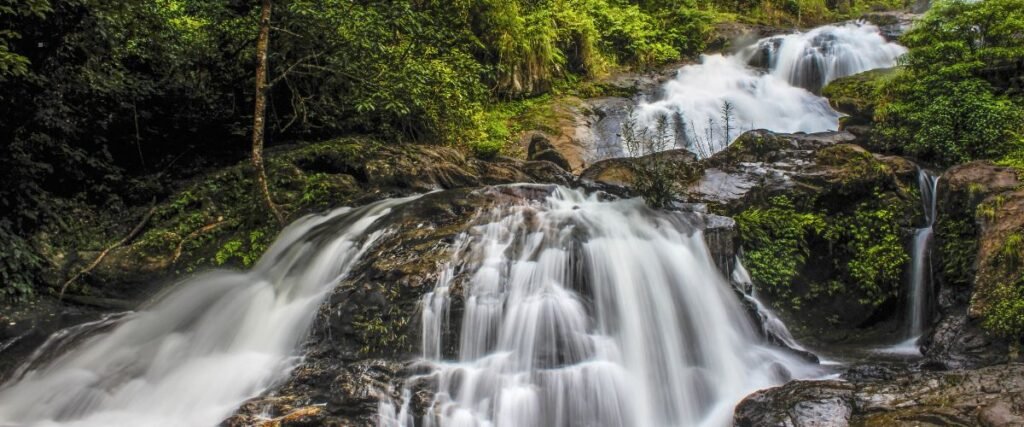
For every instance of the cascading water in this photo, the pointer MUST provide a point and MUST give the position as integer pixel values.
(919, 295)
(771, 325)
(813, 59)
(578, 311)
(780, 100)
(921, 265)
(192, 357)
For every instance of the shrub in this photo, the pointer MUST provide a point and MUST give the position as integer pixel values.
(949, 101)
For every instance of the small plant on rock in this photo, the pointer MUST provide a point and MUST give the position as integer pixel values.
(653, 172)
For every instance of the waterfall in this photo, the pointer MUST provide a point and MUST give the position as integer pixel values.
(581, 311)
(780, 98)
(199, 351)
(813, 59)
(771, 325)
(920, 264)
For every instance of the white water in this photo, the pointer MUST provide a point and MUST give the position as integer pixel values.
(198, 352)
(921, 266)
(776, 99)
(586, 312)
(919, 295)
(771, 324)
(813, 59)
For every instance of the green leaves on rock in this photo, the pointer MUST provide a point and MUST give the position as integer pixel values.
(952, 100)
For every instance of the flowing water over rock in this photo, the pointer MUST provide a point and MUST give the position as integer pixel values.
(769, 85)
(578, 311)
(813, 59)
(771, 325)
(193, 356)
(920, 293)
(921, 263)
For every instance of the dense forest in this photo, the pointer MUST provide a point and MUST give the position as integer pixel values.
(422, 158)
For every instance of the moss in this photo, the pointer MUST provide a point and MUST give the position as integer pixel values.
(1005, 316)
(858, 171)
(857, 95)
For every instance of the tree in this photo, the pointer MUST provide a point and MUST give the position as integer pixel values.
(653, 171)
(259, 115)
(728, 112)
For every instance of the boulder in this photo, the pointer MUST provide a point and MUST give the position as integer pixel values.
(825, 176)
(991, 396)
(980, 208)
(798, 404)
(541, 149)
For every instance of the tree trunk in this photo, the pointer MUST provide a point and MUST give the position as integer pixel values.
(260, 113)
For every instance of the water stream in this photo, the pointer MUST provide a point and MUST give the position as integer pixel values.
(771, 84)
(194, 355)
(578, 311)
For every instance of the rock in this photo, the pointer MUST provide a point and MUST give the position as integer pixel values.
(825, 175)
(987, 396)
(856, 95)
(541, 149)
(979, 206)
(538, 143)
(798, 404)
(618, 172)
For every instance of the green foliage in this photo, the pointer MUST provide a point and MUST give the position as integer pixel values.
(877, 256)
(775, 240)
(17, 266)
(11, 62)
(865, 248)
(245, 252)
(1006, 315)
(948, 102)
(958, 246)
(652, 170)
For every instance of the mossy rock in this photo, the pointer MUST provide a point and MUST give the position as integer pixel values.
(980, 303)
(857, 95)
(824, 225)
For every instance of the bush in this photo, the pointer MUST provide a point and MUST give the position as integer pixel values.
(775, 239)
(949, 101)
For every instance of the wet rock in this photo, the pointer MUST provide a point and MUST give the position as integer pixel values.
(720, 234)
(980, 206)
(987, 396)
(370, 320)
(762, 163)
(798, 404)
(825, 175)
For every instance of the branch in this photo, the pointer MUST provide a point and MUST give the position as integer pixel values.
(192, 235)
(289, 69)
(99, 258)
